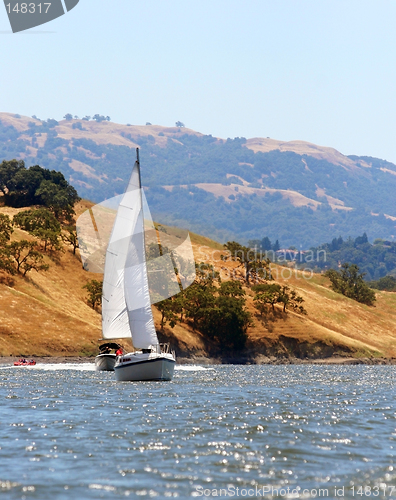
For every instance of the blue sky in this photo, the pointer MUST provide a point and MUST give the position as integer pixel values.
(322, 71)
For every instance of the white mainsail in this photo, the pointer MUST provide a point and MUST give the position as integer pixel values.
(114, 237)
(126, 304)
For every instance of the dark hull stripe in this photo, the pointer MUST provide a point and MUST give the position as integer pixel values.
(134, 363)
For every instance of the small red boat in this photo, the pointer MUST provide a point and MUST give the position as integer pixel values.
(25, 362)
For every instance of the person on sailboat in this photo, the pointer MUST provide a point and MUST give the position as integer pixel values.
(119, 352)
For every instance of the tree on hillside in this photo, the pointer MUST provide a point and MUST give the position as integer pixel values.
(100, 118)
(179, 124)
(6, 229)
(361, 240)
(8, 170)
(49, 240)
(59, 198)
(43, 224)
(387, 283)
(27, 257)
(94, 288)
(290, 299)
(40, 218)
(6, 262)
(253, 262)
(276, 246)
(226, 320)
(191, 303)
(374, 260)
(214, 308)
(37, 186)
(231, 288)
(264, 244)
(168, 309)
(70, 236)
(270, 294)
(68, 116)
(23, 187)
(199, 296)
(50, 123)
(266, 294)
(350, 283)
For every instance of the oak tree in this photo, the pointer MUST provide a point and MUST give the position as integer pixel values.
(94, 288)
(27, 257)
(254, 263)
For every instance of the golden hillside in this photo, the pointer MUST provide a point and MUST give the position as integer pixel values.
(46, 314)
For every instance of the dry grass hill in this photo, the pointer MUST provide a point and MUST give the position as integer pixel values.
(46, 314)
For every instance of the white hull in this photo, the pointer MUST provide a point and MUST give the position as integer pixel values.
(138, 366)
(105, 362)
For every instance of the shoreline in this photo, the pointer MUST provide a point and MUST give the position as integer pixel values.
(272, 360)
(201, 360)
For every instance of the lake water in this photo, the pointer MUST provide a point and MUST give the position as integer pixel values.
(306, 431)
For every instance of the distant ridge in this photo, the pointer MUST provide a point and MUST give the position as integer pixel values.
(300, 193)
(113, 133)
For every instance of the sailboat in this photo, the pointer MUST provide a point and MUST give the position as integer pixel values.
(105, 360)
(114, 236)
(126, 303)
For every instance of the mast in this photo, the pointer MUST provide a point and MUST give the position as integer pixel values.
(136, 287)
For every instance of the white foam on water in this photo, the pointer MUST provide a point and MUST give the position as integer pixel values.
(81, 367)
(192, 368)
(52, 367)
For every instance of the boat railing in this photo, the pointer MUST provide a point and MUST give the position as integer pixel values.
(161, 348)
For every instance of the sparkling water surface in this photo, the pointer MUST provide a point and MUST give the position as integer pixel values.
(68, 432)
